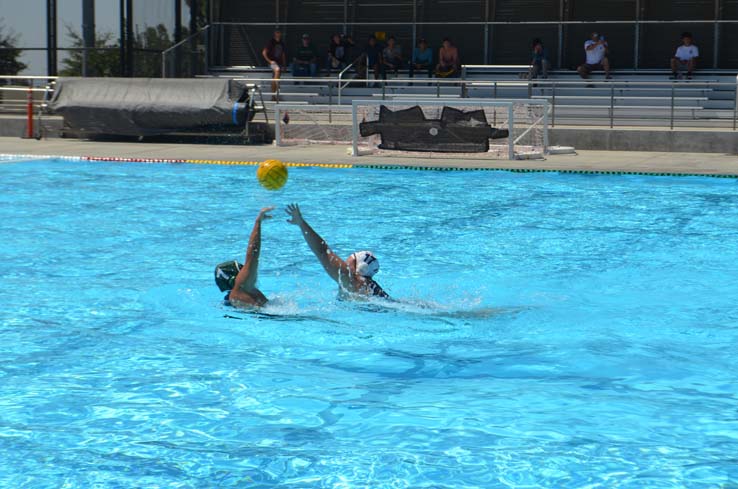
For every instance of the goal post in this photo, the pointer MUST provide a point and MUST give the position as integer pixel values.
(459, 127)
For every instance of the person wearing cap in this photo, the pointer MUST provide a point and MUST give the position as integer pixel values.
(305, 61)
(354, 275)
(422, 59)
(240, 281)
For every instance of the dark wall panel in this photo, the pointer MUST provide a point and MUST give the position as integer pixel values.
(601, 10)
(678, 9)
(526, 10)
(451, 10)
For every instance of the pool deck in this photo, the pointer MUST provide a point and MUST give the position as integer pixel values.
(584, 161)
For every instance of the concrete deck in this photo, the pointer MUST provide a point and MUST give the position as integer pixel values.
(598, 161)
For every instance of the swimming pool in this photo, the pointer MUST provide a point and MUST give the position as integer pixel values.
(556, 330)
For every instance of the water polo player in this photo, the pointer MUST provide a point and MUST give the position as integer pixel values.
(354, 276)
(239, 280)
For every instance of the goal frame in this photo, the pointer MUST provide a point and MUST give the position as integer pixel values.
(509, 104)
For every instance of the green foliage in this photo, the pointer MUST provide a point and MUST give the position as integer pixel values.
(9, 54)
(100, 62)
(148, 46)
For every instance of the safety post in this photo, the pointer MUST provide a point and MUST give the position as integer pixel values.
(29, 114)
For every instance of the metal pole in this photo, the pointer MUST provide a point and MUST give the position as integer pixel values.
(415, 28)
(345, 16)
(122, 39)
(545, 128)
(735, 108)
(354, 130)
(553, 104)
(612, 105)
(88, 33)
(561, 33)
(178, 21)
(277, 126)
(511, 135)
(486, 32)
(637, 48)
(51, 38)
(716, 34)
(129, 38)
(671, 119)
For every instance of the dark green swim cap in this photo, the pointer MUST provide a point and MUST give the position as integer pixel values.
(225, 274)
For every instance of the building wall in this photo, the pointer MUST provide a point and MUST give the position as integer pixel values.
(505, 44)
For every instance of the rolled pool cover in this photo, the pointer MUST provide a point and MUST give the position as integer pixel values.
(148, 106)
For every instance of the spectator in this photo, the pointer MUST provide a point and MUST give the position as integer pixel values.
(422, 59)
(686, 56)
(391, 57)
(595, 50)
(276, 56)
(306, 61)
(339, 51)
(538, 61)
(448, 60)
(373, 58)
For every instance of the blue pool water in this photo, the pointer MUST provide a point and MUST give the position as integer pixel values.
(554, 330)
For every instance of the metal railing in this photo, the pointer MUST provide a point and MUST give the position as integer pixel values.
(618, 103)
(341, 86)
(187, 58)
(26, 95)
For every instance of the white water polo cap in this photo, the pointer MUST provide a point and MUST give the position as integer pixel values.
(366, 263)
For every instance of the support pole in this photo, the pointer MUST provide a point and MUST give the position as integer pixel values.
(29, 115)
(122, 37)
(129, 38)
(88, 33)
(51, 38)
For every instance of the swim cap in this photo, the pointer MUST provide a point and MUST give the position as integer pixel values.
(225, 274)
(366, 263)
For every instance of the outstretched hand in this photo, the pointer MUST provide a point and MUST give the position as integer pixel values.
(264, 213)
(293, 210)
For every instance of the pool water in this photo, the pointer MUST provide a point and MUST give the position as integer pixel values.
(552, 330)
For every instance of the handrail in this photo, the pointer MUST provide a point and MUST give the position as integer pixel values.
(340, 75)
(187, 39)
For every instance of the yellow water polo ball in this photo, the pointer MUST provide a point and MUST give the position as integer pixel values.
(272, 174)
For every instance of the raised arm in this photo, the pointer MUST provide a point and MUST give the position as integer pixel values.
(246, 278)
(334, 265)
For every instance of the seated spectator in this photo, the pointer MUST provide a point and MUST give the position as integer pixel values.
(595, 50)
(305, 61)
(276, 56)
(448, 60)
(339, 52)
(686, 56)
(391, 57)
(373, 57)
(422, 59)
(538, 61)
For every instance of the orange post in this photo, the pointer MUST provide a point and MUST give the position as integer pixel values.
(29, 108)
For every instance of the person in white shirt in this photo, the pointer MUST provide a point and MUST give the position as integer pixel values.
(686, 56)
(595, 50)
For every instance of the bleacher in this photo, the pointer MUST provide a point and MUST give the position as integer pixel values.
(631, 98)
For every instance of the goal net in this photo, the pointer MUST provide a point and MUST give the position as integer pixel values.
(472, 128)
